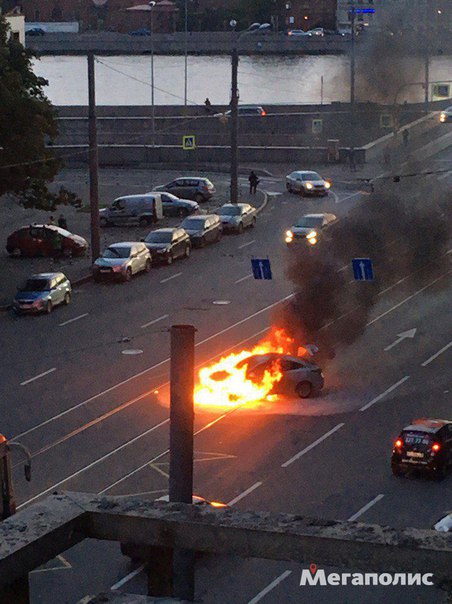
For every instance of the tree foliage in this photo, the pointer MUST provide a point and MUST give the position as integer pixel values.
(27, 123)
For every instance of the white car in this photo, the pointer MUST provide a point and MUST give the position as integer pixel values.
(306, 182)
(444, 525)
(309, 228)
(446, 115)
(122, 260)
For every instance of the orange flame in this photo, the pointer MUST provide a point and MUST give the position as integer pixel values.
(223, 384)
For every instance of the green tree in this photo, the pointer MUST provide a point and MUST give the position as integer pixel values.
(27, 123)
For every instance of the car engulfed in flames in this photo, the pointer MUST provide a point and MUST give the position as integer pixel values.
(226, 383)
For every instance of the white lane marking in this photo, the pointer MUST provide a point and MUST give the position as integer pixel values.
(336, 198)
(270, 587)
(36, 377)
(74, 319)
(445, 175)
(93, 463)
(366, 507)
(128, 577)
(246, 244)
(344, 268)
(434, 356)
(311, 446)
(139, 374)
(406, 299)
(243, 279)
(154, 321)
(383, 394)
(65, 566)
(348, 197)
(170, 278)
(383, 291)
(255, 486)
(159, 470)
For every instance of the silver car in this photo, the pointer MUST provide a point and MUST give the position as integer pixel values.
(122, 260)
(237, 216)
(309, 228)
(306, 182)
(41, 292)
(300, 377)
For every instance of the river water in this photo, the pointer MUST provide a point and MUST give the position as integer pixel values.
(125, 80)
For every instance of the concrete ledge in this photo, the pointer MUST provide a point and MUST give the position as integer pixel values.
(40, 532)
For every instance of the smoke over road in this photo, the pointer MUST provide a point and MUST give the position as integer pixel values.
(404, 237)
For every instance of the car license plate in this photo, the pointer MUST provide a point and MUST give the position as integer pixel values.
(105, 270)
(414, 454)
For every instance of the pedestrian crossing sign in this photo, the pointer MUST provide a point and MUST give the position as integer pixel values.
(189, 142)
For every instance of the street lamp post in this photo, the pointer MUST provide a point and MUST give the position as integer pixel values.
(186, 53)
(352, 84)
(234, 125)
(151, 5)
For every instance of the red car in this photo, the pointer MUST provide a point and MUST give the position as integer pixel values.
(45, 240)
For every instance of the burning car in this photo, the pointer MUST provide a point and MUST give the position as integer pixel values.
(269, 368)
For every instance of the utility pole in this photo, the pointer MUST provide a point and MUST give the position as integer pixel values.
(93, 160)
(151, 6)
(186, 54)
(427, 57)
(352, 84)
(234, 126)
(181, 446)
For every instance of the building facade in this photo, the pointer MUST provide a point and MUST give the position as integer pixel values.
(102, 14)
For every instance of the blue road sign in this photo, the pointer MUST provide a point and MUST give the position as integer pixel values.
(363, 269)
(261, 268)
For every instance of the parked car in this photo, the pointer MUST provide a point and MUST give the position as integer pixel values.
(307, 183)
(175, 206)
(446, 115)
(140, 32)
(122, 260)
(426, 445)
(299, 376)
(237, 216)
(189, 187)
(246, 111)
(165, 245)
(317, 31)
(45, 240)
(141, 209)
(297, 33)
(309, 228)
(41, 292)
(253, 26)
(203, 229)
(35, 31)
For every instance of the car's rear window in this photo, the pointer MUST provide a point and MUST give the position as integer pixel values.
(193, 223)
(417, 438)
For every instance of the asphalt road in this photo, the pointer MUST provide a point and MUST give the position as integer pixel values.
(96, 419)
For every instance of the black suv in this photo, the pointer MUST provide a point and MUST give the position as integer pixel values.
(424, 445)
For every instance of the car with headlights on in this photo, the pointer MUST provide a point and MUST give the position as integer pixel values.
(203, 229)
(45, 240)
(168, 244)
(299, 376)
(446, 115)
(237, 216)
(307, 182)
(425, 445)
(175, 206)
(122, 260)
(189, 187)
(42, 292)
(309, 228)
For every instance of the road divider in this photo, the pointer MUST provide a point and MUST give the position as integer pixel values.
(383, 394)
(37, 377)
(311, 446)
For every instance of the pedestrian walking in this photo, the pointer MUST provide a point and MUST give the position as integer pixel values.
(208, 106)
(51, 220)
(405, 136)
(62, 222)
(254, 181)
